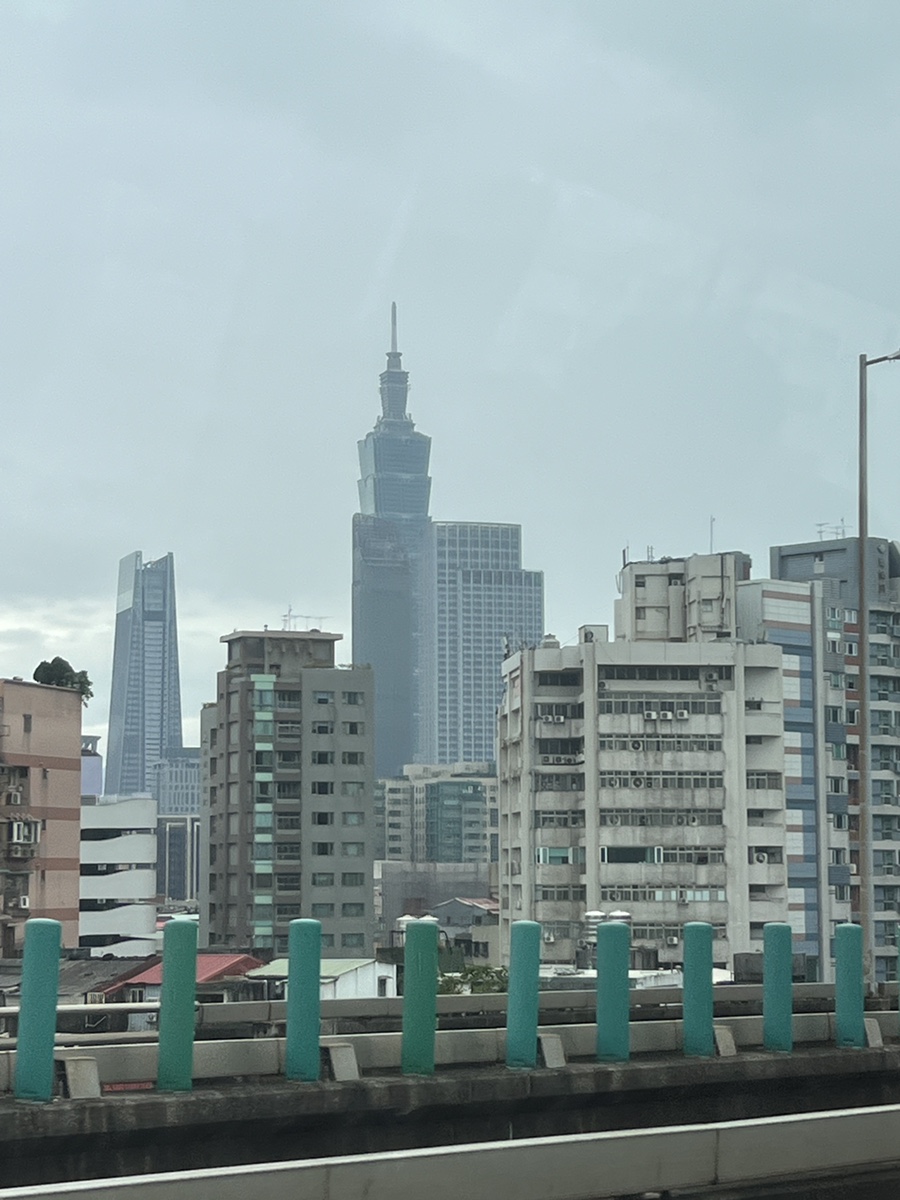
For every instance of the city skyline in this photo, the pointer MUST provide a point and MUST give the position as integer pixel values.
(195, 250)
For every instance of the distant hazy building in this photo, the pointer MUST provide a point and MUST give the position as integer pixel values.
(175, 783)
(433, 603)
(438, 813)
(178, 859)
(287, 814)
(482, 603)
(40, 796)
(390, 534)
(118, 876)
(145, 699)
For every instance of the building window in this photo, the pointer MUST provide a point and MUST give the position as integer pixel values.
(287, 850)
(353, 910)
(323, 849)
(322, 910)
(327, 941)
(352, 818)
(353, 697)
(640, 614)
(353, 849)
(349, 940)
(353, 879)
(352, 788)
(26, 722)
(352, 758)
(322, 879)
(323, 697)
(354, 727)
(287, 821)
(322, 787)
(323, 726)
(287, 883)
(321, 758)
(323, 818)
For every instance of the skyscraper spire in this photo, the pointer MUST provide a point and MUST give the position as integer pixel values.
(394, 380)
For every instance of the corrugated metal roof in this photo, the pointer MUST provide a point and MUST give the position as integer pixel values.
(210, 967)
(330, 968)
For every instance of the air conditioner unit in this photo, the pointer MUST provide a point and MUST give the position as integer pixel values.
(14, 796)
(650, 715)
(549, 937)
(682, 898)
(682, 714)
(671, 941)
(637, 782)
(854, 869)
(601, 686)
(614, 783)
(711, 687)
(760, 858)
(710, 676)
(613, 819)
(693, 820)
(547, 720)
(570, 758)
(518, 904)
(681, 820)
(559, 720)
(637, 744)
(23, 902)
(545, 758)
(666, 716)
(558, 759)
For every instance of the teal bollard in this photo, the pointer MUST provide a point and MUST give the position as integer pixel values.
(699, 1039)
(522, 1003)
(849, 987)
(778, 987)
(37, 1010)
(176, 1007)
(613, 999)
(302, 1056)
(420, 972)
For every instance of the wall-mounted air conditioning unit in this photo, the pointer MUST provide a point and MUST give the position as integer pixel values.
(854, 869)
(559, 720)
(650, 715)
(682, 714)
(666, 716)
(24, 902)
(671, 941)
(760, 857)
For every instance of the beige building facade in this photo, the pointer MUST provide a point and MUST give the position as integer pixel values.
(40, 808)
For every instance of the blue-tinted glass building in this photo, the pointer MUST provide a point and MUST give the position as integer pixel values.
(390, 534)
(145, 699)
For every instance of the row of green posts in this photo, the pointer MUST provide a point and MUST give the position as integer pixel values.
(34, 1078)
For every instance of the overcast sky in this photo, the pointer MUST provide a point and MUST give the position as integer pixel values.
(636, 248)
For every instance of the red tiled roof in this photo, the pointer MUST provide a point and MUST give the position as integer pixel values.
(210, 967)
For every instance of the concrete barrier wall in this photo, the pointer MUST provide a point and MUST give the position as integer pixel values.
(381, 1052)
(585, 1167)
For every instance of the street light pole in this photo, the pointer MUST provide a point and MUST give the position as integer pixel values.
(866, 888)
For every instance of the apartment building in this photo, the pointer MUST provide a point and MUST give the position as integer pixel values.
(40, 791)
(438, 813)
(832, 566)
(625, 785)
(287, 816)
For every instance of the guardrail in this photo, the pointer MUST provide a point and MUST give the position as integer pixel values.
(728, 1155)
(613, 1031)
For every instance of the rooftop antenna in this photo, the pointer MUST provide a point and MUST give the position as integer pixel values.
(393, 327)
(712, 525)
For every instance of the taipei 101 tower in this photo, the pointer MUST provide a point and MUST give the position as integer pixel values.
(390, 541)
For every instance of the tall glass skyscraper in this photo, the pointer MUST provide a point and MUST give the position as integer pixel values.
(433, 603)
(145, 700)
(390, 534)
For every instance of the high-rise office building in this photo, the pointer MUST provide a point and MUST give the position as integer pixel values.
(438, 813)
(287, 817)
(145, 699)
(389, 539)
(482, 603)
(433, 603)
